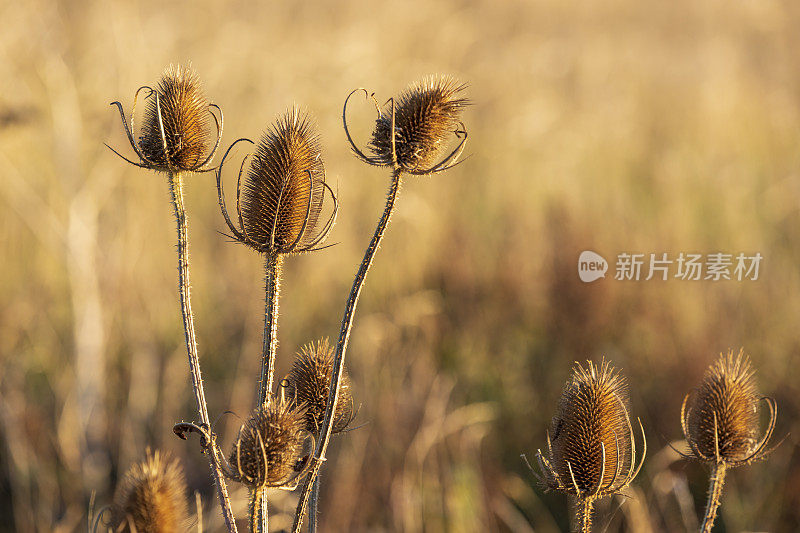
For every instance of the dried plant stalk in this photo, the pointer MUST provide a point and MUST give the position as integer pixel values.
(175, 140)
(279, 212)
(720, 423)
(430, 110)
(176, 191)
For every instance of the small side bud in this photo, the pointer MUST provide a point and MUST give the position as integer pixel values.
(308, 384)
(269, 447)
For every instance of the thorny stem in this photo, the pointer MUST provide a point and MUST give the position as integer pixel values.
(259, 512)
(176, 190)
(584, 514)
(273, 269)
(313, 505)
(715, 484)
(258, 519)
(341, 347)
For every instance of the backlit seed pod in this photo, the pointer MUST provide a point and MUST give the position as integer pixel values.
(720, 419)
(281, 201)
(152, 497)
(182, 108)
(425, 116)
(720, 423)
(308, 384)
(176, 133)
(283, 191)
(591, 446)
(591, 437)
(269, 446)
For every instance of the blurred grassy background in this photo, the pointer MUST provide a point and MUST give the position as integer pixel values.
(626, 125)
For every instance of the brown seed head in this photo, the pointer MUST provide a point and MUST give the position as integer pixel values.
(184, 112)
(309, 382)
(426, 114)
(722, 414)
(591, 433)
(284, 188)
(152, 496)
(269, 446)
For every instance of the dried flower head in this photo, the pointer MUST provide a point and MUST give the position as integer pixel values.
(284, 191)
(410, 130)
(152, 496)
(592, 452)
(308, 384)
(720, 420)
(177, 131)
(267, 452)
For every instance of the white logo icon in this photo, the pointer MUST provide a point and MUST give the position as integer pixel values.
(591, 266)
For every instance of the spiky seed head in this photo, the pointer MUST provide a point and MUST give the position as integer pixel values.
(727, 394)
(152, 496)
(308, 384)
(592, 415)
(269, 446)
(426, 114)
(184, 111)
(284, 188)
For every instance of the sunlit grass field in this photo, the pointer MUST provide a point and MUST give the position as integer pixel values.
(621, 126)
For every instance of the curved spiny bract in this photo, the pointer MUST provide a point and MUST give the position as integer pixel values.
(591, 448)
(269, 447)
(308, 384)
(151, 497)
(280, 204)
(720, 418)
(176, 134)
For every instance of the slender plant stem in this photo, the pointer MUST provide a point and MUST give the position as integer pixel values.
(341, 348)
(584, 514)
(273, 269)
(715, 484)
(176, 190)
(258, 519)
(313, 505)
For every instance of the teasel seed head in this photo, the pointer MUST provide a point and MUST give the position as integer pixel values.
(720, 418)
(176, 134)
(308, 384)
(411, 129)
(591, 446)
(281, 203)
(152, 496)
(268, 450)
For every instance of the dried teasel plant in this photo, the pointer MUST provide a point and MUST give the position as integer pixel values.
(591, 449)
(176, 133)
(425, 116)
(151, 497)
(308, 384)
(280, 210)
(409, 135)
(721, 424)
(175, 139)
(269, 453)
